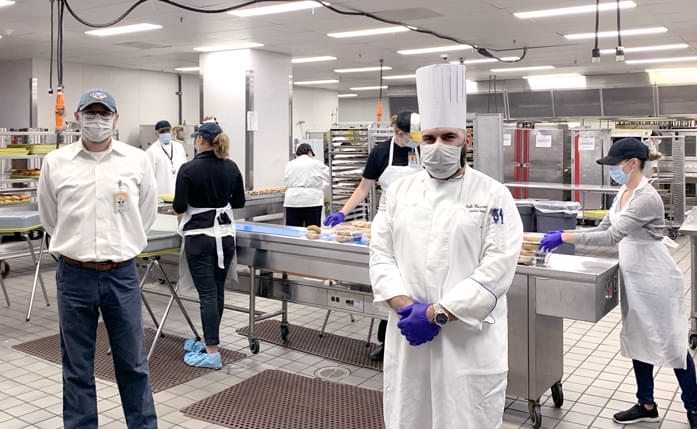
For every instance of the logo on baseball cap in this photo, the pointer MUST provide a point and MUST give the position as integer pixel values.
(97, 96)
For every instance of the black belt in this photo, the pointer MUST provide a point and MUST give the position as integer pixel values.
(96, 266)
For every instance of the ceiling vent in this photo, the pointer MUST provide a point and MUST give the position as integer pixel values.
(143, 45)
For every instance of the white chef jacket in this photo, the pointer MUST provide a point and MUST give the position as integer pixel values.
(456, 243)
(77, 191)
(305, 180)
(166, 170)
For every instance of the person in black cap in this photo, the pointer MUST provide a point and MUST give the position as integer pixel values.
(654, 325)
(305, 179)
(166, 156)
(208, 188)
(97, 200)
(389, 161)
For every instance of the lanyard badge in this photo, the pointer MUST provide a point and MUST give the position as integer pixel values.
(121, 197)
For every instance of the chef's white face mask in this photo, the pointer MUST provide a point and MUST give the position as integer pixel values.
(441, 160)
(96, 130)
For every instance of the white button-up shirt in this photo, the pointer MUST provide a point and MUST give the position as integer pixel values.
(77, 202)
(165, 161)
(306, 180)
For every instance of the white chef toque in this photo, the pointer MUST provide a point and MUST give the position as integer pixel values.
(442, 94)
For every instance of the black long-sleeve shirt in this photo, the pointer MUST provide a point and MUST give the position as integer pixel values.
(207, 181)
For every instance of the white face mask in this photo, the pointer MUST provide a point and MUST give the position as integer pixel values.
(97, 130)
(441, 160)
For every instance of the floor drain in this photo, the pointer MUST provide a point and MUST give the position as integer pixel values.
(332, 373)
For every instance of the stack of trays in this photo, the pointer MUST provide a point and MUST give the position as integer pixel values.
(530, 253)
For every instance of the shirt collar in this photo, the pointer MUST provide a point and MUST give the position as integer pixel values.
(115, 147)
(206, 154)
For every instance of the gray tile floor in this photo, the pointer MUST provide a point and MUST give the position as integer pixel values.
(598, 381)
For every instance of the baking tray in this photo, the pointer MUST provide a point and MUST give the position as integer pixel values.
(19, 217)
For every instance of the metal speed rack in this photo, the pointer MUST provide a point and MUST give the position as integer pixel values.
(348, 154)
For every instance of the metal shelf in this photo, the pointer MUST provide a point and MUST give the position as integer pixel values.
(2, 157)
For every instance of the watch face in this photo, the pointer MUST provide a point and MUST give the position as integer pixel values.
(441, 319)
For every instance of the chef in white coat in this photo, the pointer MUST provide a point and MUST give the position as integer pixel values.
(166, 157)
(306, 179)
(654, 318)
(443, 256)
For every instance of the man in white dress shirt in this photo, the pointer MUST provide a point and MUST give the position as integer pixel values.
(97, 200)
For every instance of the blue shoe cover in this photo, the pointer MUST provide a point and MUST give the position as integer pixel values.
(204, 360)
(194, 346)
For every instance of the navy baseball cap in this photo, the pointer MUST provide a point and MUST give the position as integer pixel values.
(627, 148)
(97, 96)
(162, 125)
(408, 122)
(209, 131)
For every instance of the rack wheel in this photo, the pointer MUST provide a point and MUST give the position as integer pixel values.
(693, 341)
(558, 395)
(284, 333)
(535, 414)
(673, 233)
(254, 345)
(4, 269)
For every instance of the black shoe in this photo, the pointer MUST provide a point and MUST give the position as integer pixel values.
(692, 418)
(636, 414)
(377, 354)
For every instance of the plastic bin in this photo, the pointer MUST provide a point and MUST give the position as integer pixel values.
(557, 215)
(526, 208)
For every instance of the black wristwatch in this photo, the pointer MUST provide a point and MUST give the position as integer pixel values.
(440, 316)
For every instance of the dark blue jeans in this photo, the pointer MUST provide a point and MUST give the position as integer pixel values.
(82, 295)
(686, 379)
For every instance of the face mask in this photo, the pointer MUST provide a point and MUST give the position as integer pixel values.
(97, 130)
(618, 175)
(166, 138)
(441, 160)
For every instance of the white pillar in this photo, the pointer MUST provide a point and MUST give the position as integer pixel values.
(224, 95)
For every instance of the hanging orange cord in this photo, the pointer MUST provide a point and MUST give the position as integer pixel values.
(379, 108)
(60, 111)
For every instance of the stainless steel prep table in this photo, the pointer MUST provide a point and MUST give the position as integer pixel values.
(255, 206)
(689, 228)
(335, 276)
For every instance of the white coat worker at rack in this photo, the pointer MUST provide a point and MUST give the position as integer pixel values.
(166, 156)
(387, 162)
(443, 254)
(306, 179)
(654, 320)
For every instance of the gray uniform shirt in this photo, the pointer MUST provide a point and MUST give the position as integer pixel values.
(642, 219)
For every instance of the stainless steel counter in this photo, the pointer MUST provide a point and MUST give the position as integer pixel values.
(563, 187)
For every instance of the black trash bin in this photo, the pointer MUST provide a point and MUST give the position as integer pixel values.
(557, 215)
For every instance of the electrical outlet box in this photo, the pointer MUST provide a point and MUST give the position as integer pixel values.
(345, 301)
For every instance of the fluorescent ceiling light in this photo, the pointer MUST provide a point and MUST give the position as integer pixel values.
(368, 88)
(672, 75)
(113, 31)
(188, 69)
(400, 76)
(556, 81)
(484, 60)
(588, 8)
(4, 3)
(312, 59)
(606, 34)
(229, 47)
(362, 69)
(519, 69)
(371, 32)
(647, 48)
(278, 8)
(662, 60)
(436, 50)
(316, 82)
(347, 95)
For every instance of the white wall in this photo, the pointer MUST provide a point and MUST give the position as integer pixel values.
(361, 109)
(316, 107)
(142, 97)
(15, 94)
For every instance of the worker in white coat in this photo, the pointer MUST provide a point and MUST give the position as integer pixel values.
(443, 256)
(166, 157)
(306, 179)
(654, 320)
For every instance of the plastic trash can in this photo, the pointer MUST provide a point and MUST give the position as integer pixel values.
(557, 215)
(526, 208)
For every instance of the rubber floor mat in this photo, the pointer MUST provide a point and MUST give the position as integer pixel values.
(167, 367)
(281, 400)
(330, 346)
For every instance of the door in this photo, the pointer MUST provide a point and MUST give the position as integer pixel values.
(545, 161)
(587, 147)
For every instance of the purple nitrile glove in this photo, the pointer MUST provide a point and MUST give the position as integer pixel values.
(334, 219)
(415, 325)
(551, 241)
